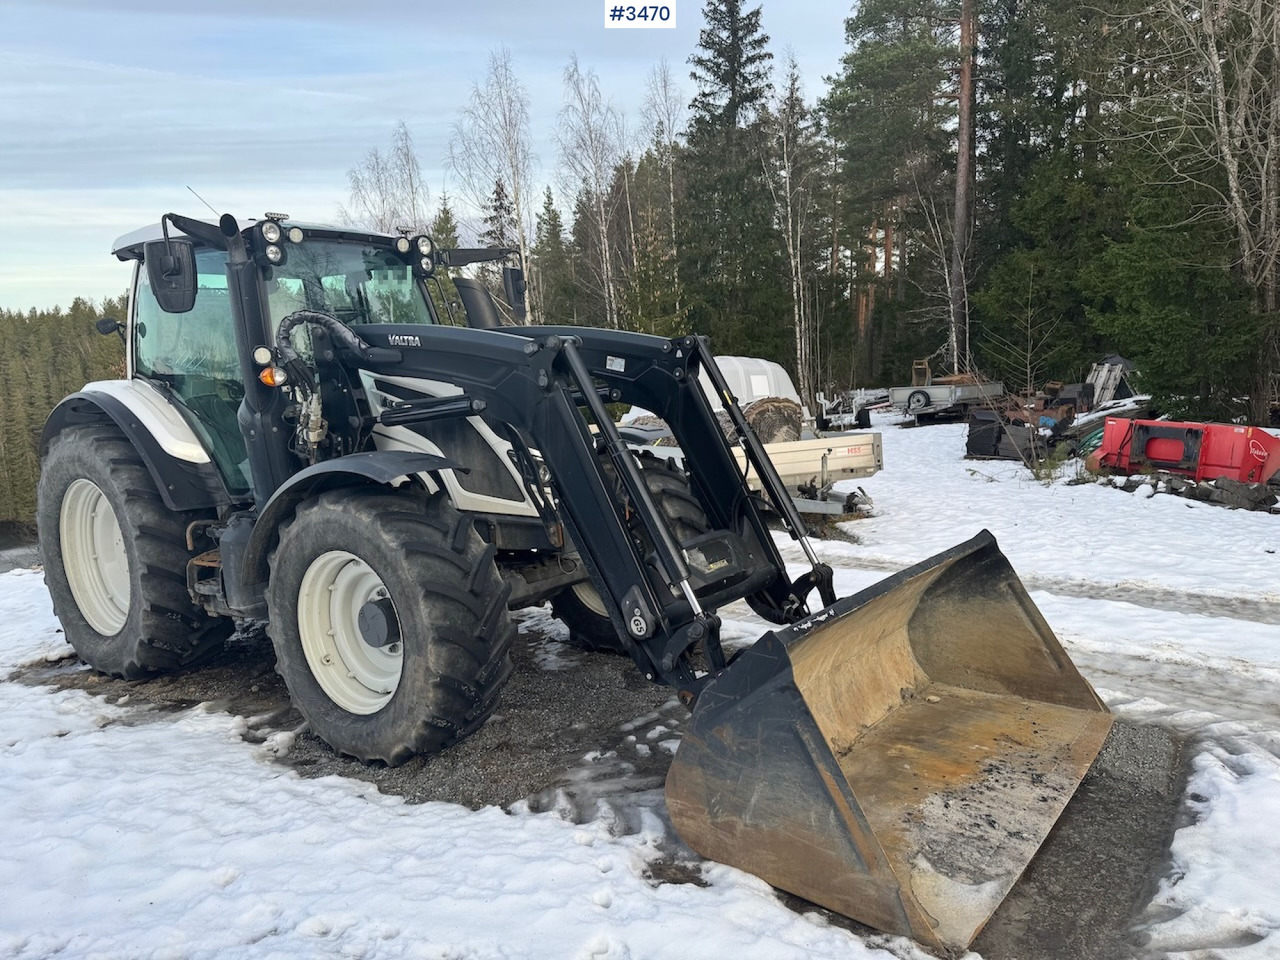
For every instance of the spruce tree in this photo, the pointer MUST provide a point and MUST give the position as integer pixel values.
(499, 231)
(499, 219)
(733, 277)
(551, 257)
(731, 68)
(444, 231)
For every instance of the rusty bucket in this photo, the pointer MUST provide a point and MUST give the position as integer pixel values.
(900, 756)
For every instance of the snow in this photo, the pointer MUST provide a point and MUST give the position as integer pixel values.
(176, 839)
(928, 497)
(127, 834)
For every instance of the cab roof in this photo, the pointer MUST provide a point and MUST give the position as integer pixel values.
(129, 246)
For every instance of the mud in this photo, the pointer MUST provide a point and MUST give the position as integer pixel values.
(585, 735)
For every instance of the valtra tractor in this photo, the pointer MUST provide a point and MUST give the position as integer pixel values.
(304, 439)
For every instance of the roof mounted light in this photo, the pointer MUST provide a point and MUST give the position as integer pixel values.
(276, 216)
(295, 234)
(403, 245)
(271, 231)
(425, 248)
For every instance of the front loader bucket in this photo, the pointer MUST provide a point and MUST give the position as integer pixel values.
(898, 757)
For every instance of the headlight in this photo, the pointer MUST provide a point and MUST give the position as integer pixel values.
(403, 245)
(271, 232)
(274, 253)
(295, 234)
(426, 265)
(425, 246)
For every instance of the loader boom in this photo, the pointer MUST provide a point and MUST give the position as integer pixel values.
(540, 381)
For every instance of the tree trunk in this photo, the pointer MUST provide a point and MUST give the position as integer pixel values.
(957, 288)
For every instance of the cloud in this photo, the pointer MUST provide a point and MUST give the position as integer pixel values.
(112, 109)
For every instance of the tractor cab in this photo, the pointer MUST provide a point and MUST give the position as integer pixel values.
(360, 278)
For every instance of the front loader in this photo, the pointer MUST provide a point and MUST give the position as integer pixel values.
(305, 439)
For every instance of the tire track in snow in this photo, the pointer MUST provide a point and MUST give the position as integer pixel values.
(1168, 689)
(1138, 593)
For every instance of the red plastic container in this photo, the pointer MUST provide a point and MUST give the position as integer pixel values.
(1201, 451)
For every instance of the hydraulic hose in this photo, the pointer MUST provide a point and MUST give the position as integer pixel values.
(342, 335)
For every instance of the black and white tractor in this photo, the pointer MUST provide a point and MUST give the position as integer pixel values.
(303, 438)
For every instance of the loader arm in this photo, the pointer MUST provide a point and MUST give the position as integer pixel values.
(550, 384)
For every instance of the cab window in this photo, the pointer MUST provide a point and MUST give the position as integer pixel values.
(194, 355)
(355, 282)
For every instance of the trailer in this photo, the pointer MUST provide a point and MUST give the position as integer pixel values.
(944, 398)
(808, 467)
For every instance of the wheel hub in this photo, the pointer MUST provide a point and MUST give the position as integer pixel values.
(94, 557)
(378, 624)
(350, 632)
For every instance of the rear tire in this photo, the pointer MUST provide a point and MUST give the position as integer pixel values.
(115, 559)
(580, 607)
(418, 568)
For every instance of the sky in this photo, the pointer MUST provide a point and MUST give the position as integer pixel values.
(111, 110)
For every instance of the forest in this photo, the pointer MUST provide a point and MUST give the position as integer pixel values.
(1008, 187)
(1012, 188)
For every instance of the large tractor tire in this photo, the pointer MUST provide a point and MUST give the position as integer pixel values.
(115, 559)
(389, 620)
(580, 607)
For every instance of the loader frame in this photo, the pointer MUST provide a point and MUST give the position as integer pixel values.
(540, 381)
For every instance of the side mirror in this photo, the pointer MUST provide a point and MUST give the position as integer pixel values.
(514, 286)
(109, 325)
(171, 271)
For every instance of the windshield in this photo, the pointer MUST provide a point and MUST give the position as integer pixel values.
(357, 283)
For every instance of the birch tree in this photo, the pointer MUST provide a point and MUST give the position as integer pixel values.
(588, 134)
(791, 161)
(387, 191)
(1206, 86)
(663, 114)
(491, 144)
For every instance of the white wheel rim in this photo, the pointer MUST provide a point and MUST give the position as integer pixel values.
(94, 557)
(359, 678)
(590, 598)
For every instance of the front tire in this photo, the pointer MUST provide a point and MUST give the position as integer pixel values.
(115, 559)
(389, 620)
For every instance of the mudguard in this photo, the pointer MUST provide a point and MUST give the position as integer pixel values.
(382, 466)
(178, 463)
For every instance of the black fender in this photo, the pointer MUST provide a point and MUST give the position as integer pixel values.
(183, 485)
(380, 466)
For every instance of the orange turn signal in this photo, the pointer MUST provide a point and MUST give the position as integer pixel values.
(273, 376)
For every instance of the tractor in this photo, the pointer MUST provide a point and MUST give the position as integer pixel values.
(305, 437)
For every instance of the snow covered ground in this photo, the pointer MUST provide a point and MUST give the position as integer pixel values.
(127, 837)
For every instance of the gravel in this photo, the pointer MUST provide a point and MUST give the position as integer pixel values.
(586, 735)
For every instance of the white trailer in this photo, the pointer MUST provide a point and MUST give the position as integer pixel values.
(809, 466)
